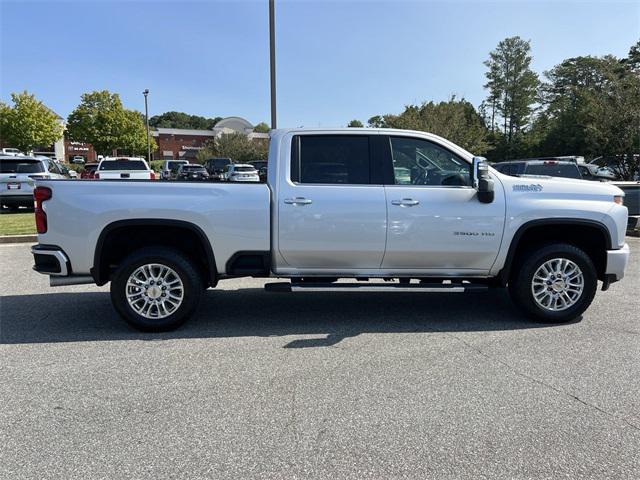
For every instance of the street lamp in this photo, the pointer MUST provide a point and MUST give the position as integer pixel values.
(146, 116)
(272, 60)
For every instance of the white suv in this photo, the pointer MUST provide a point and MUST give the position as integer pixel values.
(240, 172)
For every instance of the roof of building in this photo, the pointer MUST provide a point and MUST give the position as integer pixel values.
(183, 131)
(234, 123)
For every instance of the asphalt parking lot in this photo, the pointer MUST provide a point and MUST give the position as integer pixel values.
(267, 385)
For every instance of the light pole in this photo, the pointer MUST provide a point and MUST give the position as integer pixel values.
(146, 116)
(272, 60)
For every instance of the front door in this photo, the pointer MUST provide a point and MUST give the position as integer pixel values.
(435, 219)
(331, 210)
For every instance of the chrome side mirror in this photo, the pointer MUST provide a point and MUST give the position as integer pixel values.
(482, 181)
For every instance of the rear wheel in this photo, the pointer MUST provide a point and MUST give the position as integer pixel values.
(156, 289)
(555, 283)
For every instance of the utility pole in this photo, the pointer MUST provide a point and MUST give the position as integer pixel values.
(146, 116)
(272, 61)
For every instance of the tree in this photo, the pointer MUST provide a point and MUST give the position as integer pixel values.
(236, 146)
(183, 120)
(355, 124)
(377, 121)
(455, 120)
(102, 121)
(261, 128)
(512, 88)
(28, 123)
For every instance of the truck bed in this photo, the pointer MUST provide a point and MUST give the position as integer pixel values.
(78, 212)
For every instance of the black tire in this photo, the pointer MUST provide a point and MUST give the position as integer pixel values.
(183, 268)
(520, 284)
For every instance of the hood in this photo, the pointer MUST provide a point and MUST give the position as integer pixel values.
(558, 187)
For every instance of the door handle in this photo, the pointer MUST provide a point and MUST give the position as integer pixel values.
(297, 201)
(405, 202)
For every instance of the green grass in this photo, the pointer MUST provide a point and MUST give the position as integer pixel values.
(17, 223)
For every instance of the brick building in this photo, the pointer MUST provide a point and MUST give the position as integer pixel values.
(82, 149)
(177, 143)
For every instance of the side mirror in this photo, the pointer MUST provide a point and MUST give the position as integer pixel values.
(482, 181)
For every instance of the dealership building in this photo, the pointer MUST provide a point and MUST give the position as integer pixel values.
(179, 143)
(173, 143)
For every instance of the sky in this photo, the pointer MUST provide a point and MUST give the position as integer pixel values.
(336, 60)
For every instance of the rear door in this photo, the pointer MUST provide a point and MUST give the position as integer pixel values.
(331, 205)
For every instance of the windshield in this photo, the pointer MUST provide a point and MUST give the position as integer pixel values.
(244, 169)
(123, 165)
(193, 168)
(172, 165)
(554, 170)
(21, 166)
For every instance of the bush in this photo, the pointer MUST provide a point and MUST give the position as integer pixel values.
(156, 165)
(76, 167)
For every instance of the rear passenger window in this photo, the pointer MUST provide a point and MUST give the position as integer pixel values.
(330, 159)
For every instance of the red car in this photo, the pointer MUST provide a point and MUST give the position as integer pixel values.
(89, 171)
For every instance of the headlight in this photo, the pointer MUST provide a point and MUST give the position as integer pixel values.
(619, 199)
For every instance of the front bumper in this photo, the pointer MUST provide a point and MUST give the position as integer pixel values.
(617, 261)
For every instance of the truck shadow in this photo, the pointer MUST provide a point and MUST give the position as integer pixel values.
(76, 317)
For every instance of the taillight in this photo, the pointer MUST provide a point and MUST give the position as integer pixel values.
(96, 175)
(152, 175)
(41, 194)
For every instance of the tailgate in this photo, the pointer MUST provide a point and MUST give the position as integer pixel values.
(16, 184)
(125, 175)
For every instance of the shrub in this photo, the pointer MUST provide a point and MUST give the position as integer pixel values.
(156, 165)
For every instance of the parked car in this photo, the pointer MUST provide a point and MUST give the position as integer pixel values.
(566, 166)
(124, 168)
(89, 171)
(67, 172)
(261, 167)
(548, 240)
(551, 168)
(192, 171)
(622, 166)
(168, 166)
(632, 202)
(10, 151)
(240, 172)
(216, 166)
(77, 159)
(18, 175)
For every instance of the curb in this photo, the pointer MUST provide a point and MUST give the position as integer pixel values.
(18, 239)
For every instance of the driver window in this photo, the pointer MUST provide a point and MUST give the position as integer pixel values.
(420, 162)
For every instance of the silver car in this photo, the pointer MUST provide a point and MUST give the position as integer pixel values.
(18, 175)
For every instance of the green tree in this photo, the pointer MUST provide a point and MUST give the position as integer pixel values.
(183, 120)
(455, 120)
(236, 146)
(512, 89)
(102, 121)
(377, 121)
(355, 124)
(28, 123)
(261, 128)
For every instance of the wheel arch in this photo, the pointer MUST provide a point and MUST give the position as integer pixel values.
(194, 243)
(590, 235)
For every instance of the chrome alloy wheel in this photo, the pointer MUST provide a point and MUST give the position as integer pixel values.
(154, 291)
(557, 284)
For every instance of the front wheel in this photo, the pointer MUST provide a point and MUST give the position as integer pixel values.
(156, 289)
(554, 284)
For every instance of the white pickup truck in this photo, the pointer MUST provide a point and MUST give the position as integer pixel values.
(124, 168)
(391, 210)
